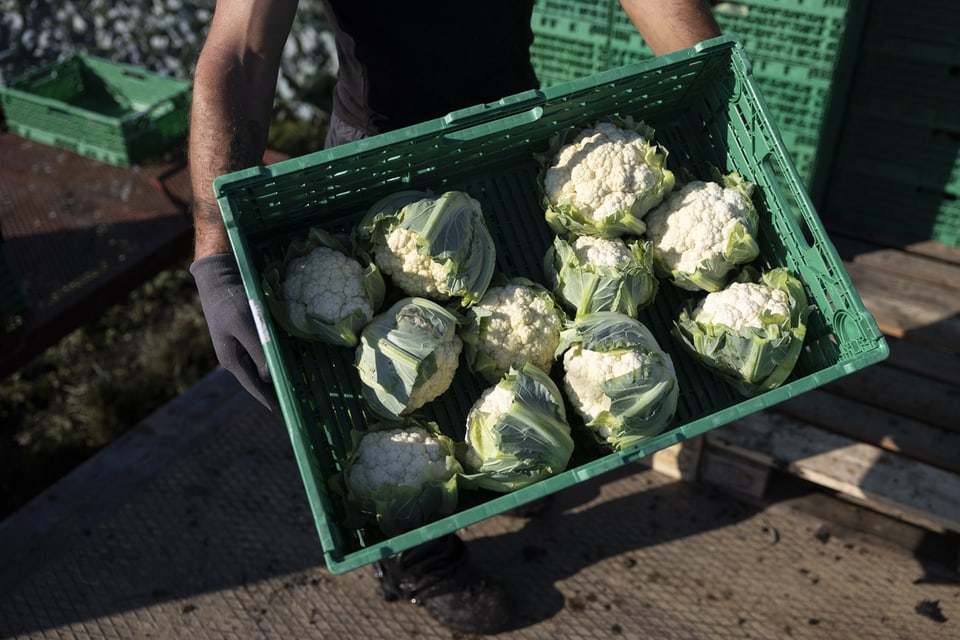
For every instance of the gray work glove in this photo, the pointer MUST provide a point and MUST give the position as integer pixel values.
(231, 325)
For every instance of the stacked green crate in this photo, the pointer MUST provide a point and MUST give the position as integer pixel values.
(897, 166)
(571, 38)
(114, 112)
(802, 52)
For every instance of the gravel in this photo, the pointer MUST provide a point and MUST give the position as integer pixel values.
(162, 36)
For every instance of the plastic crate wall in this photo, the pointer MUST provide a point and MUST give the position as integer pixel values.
(113, 112)
(897, 167)
(802, 52)
(703, 105)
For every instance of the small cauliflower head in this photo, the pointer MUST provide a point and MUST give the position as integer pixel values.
(327, 284)
(322, 292)
(517, 433)
(605, 180)
(703, 232)
(591, 274)
(435, 247)
(749, 333)
(513, 324)
(404, 476)
(408, 356)
(618, 379)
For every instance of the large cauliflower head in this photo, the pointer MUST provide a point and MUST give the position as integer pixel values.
(742, 304)
(404, 456)
(404, 476)
(585, 370)
(605, 180)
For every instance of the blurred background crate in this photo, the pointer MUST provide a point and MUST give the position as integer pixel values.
(113, 112)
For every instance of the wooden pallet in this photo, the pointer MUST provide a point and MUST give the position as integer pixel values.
(886, 437)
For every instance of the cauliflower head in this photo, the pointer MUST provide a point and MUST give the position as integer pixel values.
(588, 274)
(601, 252)
(327, 284)
(446, 359)
(584, 370)
(415, 273)
(405, 476)
(435, 247)
(702, 232)
(742, 304)
(517, 432)
(750, 333)
(322, 292)
(617, 378)
(512, 325)
(408, 356)
(604, 181)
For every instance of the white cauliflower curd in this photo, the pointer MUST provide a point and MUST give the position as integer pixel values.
(512, 325)
(702, 232)
(742, 304)
(325, 283)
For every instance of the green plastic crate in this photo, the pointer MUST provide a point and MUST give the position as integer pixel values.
(113, 112)
(706, 108)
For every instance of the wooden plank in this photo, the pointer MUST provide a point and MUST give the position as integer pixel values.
(924, 360)
(925, 247)
(680, 461)
(915, 439)
(906, 308)
(733, 472)
(886, 481)
(893, 260)
(903, 393)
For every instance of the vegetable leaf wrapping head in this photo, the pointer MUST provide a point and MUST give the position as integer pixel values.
(434, 247)
(754, 333)
(618, 379)
(622, 280)
(517, 433)
(407, 356)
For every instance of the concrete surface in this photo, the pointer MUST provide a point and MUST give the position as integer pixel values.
(195, 525)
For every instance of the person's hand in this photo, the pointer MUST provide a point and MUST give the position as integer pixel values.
(230, 321)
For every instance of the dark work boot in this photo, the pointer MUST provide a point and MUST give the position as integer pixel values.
(439, 575)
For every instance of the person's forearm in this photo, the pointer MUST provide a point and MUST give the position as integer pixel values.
(669, 25)
(233, 93)
(227, 133)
